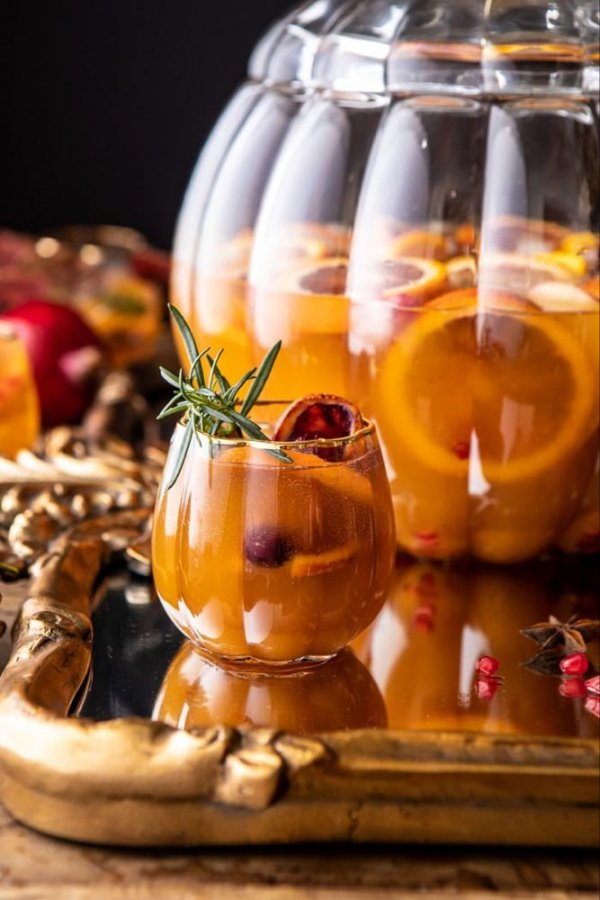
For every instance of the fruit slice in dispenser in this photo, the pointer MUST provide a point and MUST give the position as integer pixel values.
(472, 418)
(308, 311)
(337, 695)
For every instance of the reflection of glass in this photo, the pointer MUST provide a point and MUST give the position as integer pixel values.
(336, 695)
(258, 559)
(424, 646)
(19, 413)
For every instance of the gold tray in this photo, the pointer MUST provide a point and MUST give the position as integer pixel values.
(136, 782)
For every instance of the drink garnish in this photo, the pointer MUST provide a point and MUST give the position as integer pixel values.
(209, 403)
(319, 417)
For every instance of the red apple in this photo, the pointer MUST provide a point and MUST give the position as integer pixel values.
(65, 355)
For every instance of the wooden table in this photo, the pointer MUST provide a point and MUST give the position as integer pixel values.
(35, 867)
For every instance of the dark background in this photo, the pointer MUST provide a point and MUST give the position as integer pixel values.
(106, 104)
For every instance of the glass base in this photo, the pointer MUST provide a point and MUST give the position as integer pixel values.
(251, 667)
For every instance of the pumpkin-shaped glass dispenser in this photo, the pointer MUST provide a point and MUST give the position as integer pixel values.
(406, 194)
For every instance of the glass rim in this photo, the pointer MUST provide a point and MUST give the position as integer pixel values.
(367, 430)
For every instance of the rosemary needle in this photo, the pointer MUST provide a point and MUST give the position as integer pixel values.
(207, 401)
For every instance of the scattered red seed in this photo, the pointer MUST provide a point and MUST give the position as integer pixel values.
(574, 664)
(461, 449)
(572, 687)
(487, 665)
(592, 704)
(593, 685)
(423, 621)
(428, 538)
(485, 688)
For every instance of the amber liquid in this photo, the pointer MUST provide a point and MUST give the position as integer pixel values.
(488, 414)
(19, 411)
(490, 421)
(339, 694)
(255, 559)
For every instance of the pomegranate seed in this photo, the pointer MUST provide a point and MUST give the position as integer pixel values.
(574, 664)
(462, 449)
(428, 538)
(592, 704)
(593, 685)
(572, 687)
(485, 688)
(423, 621)
(487, 665)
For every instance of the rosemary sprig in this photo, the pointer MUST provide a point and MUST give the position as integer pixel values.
(208, 401)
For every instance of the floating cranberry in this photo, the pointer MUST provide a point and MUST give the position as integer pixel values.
(592, 704)
(574, 664)
(268, 548)
(487, 665)
(462, 449)
(592, 685)
(572, 687)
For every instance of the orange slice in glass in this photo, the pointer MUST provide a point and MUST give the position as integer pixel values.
(306, 299)
(422, 243)
(593, 286)
(518, 384)
(410, 280)
(519, 272)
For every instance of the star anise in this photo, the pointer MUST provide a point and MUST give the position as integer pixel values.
(572, 635)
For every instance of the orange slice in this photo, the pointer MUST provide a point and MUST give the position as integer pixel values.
(581, 242)
(452, 376)
(318, 416)
(593, 286)
(516, 234)
(306, 565)
(518, 272)
(422, 243)
(482, 300)
(461, 271)
(574, 265)
(306, 299)
(553, 296)
(410, 278)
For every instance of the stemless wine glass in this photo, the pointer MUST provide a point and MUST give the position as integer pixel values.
(19, 409)
(264, 561)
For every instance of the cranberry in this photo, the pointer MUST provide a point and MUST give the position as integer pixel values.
(462, 449)
(593, 685)
(572, 687)
(574, 664)
(487, 665)
(592, 704)
(267, 547)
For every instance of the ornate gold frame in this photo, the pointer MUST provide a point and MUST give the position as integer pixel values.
(133, 782)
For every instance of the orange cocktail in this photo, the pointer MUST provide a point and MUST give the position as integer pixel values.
(259, 559)
(19, 411)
